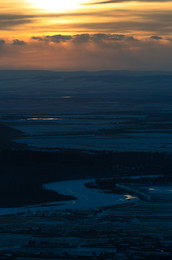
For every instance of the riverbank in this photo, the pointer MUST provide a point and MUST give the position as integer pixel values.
(24, 172)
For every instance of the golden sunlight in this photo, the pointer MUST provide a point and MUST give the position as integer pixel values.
(57, 5)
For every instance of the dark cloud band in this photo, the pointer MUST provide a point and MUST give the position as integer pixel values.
(85, 38)
(122, 1)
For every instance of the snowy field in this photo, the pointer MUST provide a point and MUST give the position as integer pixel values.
(119, 111)
(95, 132)
(139, 228)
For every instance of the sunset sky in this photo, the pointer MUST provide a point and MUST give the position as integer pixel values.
(86, 34)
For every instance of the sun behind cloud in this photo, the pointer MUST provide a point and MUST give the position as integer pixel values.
(57, 5)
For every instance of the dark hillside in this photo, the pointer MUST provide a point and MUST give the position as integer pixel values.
(6, 137)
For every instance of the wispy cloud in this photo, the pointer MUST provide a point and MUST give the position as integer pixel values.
(9, 21)
(138, 17)
(122, 1)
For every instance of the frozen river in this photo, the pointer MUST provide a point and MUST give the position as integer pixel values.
(86, 198)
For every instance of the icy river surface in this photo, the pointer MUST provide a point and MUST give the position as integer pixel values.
(86, 198)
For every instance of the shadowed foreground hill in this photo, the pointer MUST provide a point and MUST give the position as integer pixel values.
(6, 137)
(18, 186)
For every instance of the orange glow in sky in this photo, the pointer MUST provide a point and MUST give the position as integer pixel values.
(28, 17)
(106, 34)
(57, 5)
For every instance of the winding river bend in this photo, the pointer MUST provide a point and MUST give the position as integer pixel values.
(86, 198)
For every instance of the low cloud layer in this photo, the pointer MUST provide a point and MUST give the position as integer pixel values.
(18, 42)
(87, 52)
(2, 42)
(85, 38)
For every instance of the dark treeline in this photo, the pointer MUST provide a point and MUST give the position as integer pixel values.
(73, 164)
(22, 173)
